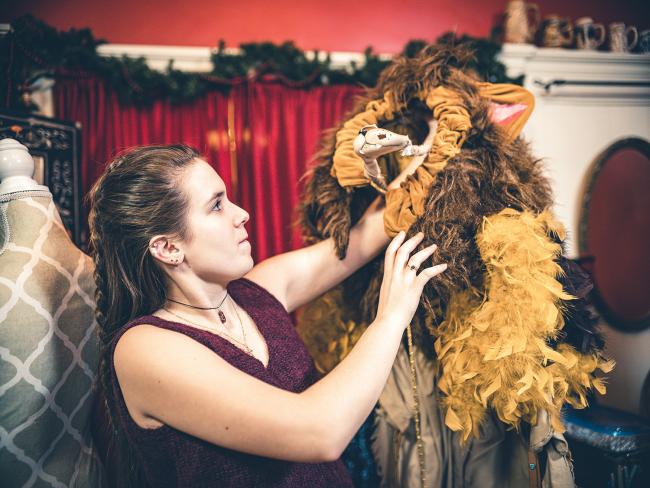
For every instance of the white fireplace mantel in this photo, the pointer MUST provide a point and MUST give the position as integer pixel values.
(614, 77)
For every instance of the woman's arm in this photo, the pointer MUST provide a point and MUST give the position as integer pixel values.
(298, 277)
(201, 394)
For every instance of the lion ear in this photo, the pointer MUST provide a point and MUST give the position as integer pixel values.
(510, 106)
(502, 114)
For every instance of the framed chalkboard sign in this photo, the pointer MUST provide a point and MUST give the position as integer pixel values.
(55, 146)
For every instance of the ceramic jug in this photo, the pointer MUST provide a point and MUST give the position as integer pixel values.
(589, 35)
(521, 22)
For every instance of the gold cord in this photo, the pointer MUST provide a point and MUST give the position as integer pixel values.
(416, 406)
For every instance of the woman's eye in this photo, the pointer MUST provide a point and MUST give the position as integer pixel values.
(217, 206)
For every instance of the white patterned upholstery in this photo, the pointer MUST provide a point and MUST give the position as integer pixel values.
(48, 349)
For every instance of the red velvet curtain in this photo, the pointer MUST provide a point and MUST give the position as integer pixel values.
(285, 126)
(259, 138)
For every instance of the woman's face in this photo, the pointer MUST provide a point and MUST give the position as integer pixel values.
(217, 248)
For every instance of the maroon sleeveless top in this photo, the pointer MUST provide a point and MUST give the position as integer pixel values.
(171, 458)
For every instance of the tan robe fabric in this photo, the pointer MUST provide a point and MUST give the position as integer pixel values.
(498, 458)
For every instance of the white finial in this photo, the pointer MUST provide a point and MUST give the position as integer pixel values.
(16, 168)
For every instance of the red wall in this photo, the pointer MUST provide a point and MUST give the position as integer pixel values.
(336, 25)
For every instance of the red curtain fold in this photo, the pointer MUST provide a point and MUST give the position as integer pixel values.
(259, 138)
(285, 126)
(109, 127)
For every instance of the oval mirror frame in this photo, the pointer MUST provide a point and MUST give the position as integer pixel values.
(608, 313)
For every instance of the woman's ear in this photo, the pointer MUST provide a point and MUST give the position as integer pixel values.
(165, 250)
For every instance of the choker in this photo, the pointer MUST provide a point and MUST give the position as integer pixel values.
(222, 316)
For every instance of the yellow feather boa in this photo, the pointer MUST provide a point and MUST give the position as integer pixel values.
(492, 353)
(495, 353)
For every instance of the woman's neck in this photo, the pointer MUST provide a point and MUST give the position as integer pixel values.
(198, 302)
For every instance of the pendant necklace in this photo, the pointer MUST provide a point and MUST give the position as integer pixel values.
(219, 332)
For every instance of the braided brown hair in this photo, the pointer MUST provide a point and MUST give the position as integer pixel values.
(136, 198)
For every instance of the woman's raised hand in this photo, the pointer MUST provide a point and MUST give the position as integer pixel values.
(403, 283)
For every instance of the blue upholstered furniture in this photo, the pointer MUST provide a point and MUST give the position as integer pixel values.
(611, 448)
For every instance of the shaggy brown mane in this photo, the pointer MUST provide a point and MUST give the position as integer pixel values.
(486, 177)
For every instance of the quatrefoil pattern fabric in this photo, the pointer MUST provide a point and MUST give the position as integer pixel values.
(48, 349)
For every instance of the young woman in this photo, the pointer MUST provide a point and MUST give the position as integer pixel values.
(206, 381)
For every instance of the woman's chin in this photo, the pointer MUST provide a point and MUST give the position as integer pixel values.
(250, 263)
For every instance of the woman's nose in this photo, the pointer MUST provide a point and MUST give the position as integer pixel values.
(242, 216)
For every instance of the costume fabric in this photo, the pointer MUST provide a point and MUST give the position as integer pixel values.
(506, 342)
(171, 458)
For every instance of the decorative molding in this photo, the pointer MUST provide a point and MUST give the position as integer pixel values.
(617, 76)
(595, 96)
(540, 65)
(57, 144)
(197, 59)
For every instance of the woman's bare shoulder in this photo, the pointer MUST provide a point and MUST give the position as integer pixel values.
(153, 364)
(145, 347)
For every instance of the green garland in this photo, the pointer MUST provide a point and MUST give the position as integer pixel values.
(34, 50)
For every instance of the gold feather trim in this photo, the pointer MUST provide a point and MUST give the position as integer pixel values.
(406, 203)
(495, 353)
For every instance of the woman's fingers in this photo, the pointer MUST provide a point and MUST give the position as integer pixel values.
(421, 256)
(429, 273)
(405, 251)
(392, 250)
(401, 290)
